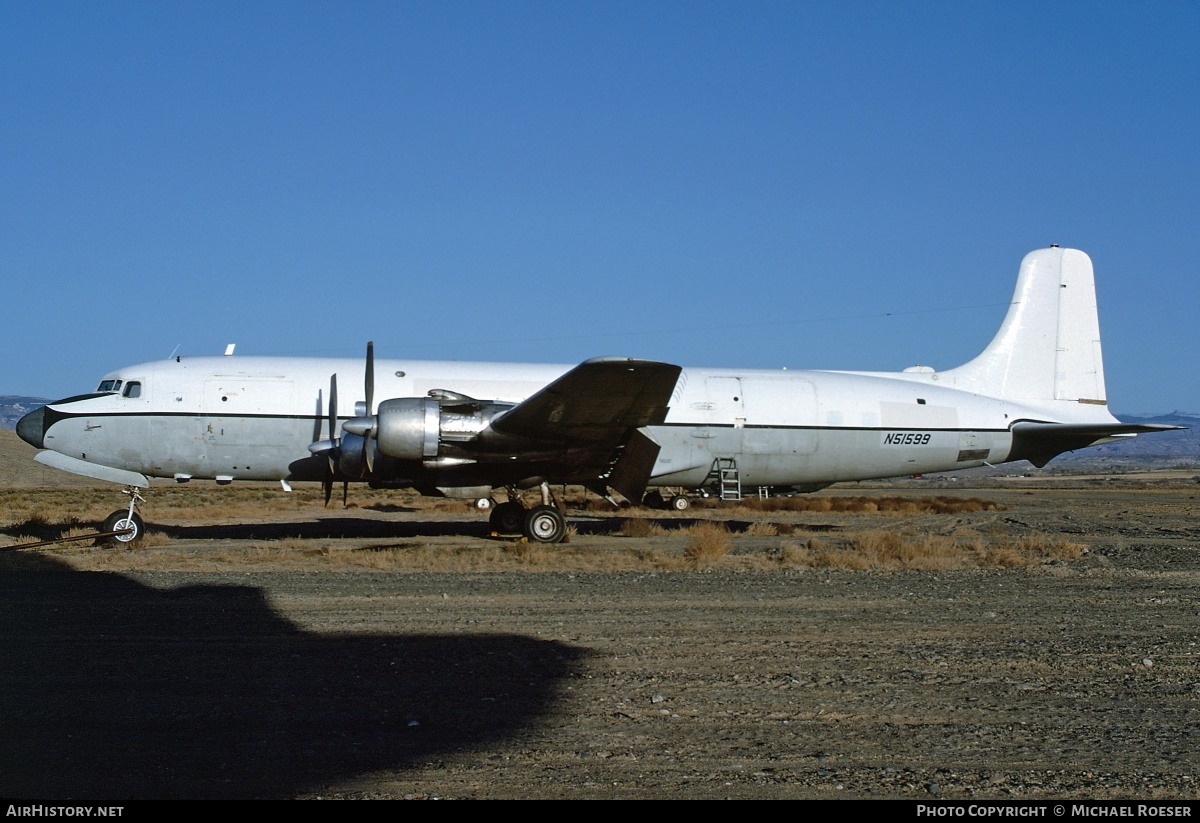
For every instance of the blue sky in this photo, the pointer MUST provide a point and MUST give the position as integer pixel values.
(812, 185)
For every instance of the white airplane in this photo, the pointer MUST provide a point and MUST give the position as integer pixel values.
(609, 424)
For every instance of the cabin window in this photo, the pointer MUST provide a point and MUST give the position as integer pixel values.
(133, 389)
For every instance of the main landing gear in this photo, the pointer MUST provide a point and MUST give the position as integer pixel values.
(124, 527)
(656, 500)
(541, 524)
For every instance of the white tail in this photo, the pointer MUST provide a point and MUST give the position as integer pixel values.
(1048, 347)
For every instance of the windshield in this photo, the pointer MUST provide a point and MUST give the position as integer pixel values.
(109, 386)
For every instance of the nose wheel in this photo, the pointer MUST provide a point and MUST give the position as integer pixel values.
(129, 527)
(124, 527)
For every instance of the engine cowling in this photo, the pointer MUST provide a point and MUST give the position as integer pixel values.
(407, 428)
(418, 428)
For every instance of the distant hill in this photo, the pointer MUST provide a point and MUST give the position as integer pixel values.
(13, 407)
(1159, 450)
(18, 468)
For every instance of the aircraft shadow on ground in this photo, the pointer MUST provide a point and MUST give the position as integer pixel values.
(330, 528)
(349, 527)
(116, 690)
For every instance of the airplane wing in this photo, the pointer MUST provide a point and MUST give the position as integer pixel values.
(596, 403)
(1039, 443)
(596, 412)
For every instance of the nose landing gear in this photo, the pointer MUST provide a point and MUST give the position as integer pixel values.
(127, 524)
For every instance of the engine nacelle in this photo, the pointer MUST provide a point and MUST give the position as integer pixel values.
(407, 428)
(416, 428)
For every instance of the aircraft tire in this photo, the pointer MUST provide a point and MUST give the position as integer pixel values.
(121, 520)
(507, 518)
(545, 524)
(654, 500)
(680, 503)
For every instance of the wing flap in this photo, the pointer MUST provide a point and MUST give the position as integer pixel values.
(631, 473)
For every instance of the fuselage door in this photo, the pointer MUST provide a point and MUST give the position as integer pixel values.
(726, 405)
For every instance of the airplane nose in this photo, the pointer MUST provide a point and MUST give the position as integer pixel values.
(31, 428)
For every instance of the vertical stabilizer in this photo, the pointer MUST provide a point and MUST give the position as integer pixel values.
(1048, 347)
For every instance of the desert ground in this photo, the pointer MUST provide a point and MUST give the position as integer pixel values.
(1018, 638)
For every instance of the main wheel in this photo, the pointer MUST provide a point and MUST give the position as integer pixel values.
(680, 503)
(120, 521)
(507, 518)
(545, 524)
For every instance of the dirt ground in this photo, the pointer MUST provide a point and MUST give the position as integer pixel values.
(228, 661)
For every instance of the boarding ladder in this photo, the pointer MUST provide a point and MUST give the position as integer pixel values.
(725, 478)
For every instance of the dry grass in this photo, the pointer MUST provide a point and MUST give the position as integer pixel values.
(516, 556)
(893, 551)
(940, 504)
(701, 546)
(707, 542)
(666, 542)
(641, 527)
(1041, 548)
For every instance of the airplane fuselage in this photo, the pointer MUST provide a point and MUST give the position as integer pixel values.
(250, 418)
(613, 425)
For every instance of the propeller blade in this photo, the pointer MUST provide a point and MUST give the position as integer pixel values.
(368, 454)
(333, 435)
(327, 485)
(370, 378)
(345, 492)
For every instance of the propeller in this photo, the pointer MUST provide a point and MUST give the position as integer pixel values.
(362, 424)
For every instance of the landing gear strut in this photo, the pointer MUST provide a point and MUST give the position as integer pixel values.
(127, 523)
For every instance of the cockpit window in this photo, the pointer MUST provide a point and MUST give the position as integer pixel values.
(132, 389)
(109, 386)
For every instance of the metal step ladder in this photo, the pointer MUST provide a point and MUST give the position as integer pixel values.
(725, 478)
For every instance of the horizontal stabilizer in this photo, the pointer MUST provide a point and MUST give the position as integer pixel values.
(1039, 443)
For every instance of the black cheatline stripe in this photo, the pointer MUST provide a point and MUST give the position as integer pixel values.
(827, 428)
(311, 417)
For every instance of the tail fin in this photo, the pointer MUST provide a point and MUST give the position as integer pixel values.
(1048, 347)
